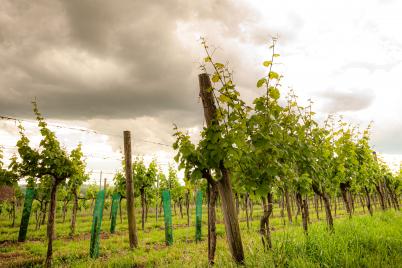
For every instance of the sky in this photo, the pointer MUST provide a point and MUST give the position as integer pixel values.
(110, 66)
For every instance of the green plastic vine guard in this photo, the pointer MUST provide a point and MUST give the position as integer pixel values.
(167, 213)
(198, 215)
(26, 213)
(115, 206)
(96, 224)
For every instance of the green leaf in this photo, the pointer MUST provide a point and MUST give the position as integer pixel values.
(219, 65)
(224, 98)
(196, 175)
(273, 75)
(274, 93)
(261, 82)
(276, 55)
(267, 63)
(215, 77)
(207, 59)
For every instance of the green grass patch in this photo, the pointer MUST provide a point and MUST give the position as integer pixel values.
(362, 241)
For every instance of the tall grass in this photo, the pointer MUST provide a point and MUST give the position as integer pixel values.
(362, 241)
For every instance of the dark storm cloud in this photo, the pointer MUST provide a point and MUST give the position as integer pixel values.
(353, 100)
(99, 59)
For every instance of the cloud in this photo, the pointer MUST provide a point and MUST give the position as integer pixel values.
(98, 59)
(99, 64)
(134, 64)
(343, 101)
(386, 137)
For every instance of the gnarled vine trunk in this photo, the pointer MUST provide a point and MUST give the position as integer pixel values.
(282, 206)
(265, 230)
(251, 208)
(328, 214)
(346, 199)
(65, 204)
(146, 208)
(302, 203)
(380, 193)
(156, 210)
(181, 208)
(370, 209)
(142, 192)
(237, 203)
(13, 212)
(362, 203)
(263, 222)
(288, 208)
(188, 207)
(50, 223)
(316, 206)
(74, 214)
(318, 192)
(212, 193)
(306, 209)
(393, 196)
(246, 201)
(44, 211)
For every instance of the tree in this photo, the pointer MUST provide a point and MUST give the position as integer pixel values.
(75, 182)
(322, 170)
(120, 187)
(189, 189)
(176, 189)
(144, 179)
(347, 163)
(64, 195)
(9, 182)
(160, 184)
(216, 152)
(275, 147)
(151, 189)
(7, 176)
(42, 195)
(265, 145)
(49, 162)
(91, 193)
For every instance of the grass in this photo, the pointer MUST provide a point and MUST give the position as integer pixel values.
(362, 241)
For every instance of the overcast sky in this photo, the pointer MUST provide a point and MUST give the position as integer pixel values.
(115, 65)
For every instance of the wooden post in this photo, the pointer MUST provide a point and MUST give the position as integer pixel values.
(224, 185)
(132, 230)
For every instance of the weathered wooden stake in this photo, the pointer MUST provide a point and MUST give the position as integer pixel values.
(132, 230)
(224, 184)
